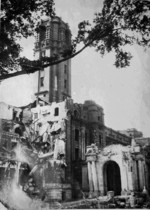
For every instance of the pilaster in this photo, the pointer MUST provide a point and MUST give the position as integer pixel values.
(141, 174)
(100, 178)
(90, 180)
(123, 173)
(94, 176)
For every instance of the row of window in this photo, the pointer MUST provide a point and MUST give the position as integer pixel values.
(42, 83)
(55, 34)
(65, 80)
(56, 113)
(77, 138)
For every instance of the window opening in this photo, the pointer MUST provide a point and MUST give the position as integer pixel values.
(76, 153)
(42, 81)
(62, 35)
(100, 140)
(55, 85)
(76, 135)
(65, 83)
(56, 111)
(65, 69)
(55, 32)
(48, 33)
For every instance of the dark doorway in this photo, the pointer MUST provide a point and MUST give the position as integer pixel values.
(112, 179)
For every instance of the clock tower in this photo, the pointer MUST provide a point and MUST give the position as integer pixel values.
(54, 82)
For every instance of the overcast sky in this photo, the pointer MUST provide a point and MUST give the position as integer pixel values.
(123, 93)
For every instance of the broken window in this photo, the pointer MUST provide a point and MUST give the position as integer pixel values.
(56, 113)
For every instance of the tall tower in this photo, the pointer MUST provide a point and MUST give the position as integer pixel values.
(54, 82)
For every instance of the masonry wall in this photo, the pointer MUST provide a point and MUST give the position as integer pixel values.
(54, 82)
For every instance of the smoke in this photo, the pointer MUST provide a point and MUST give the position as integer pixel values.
(15, 198)
(20, 154)
(12, 195)
(2, 207)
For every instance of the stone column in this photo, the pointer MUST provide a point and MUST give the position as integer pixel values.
(141, 174)
(123, 174)
(94, 176)
(43, 175)
(144, 174)
(130, 175)
(83, 143)
(90, 179)
(134, 176)
(130, 180)
(91, 158)
(100, 178)
(138, 174)
(68, 146)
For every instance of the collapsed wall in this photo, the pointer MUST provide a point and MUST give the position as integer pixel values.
(54, 138)
(42, 135)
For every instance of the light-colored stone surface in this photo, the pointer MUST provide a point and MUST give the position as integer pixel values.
(125, 157)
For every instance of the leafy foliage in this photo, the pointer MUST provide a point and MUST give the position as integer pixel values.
(19, 18)
(120, 23)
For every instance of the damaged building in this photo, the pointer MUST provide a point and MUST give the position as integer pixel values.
(65, 149)
(75, 153)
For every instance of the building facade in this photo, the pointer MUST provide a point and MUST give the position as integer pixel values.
(60, 134)
(132, 132)
(69, 151)
(118, 168)
(86, 127)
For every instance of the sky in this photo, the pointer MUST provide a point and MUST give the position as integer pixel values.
(123, 93)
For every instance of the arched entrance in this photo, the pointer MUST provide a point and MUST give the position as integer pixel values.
(112, 178)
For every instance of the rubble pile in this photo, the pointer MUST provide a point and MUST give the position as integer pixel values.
(39, 146)
(33, 155)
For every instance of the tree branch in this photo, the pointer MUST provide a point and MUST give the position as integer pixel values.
(35, 69)
(22, 72)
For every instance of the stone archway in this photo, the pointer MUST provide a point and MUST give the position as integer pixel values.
(112, 178)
